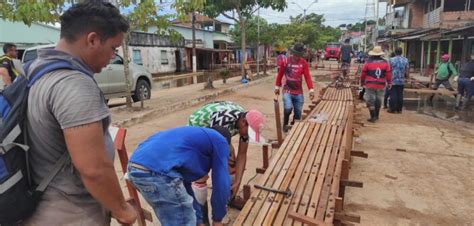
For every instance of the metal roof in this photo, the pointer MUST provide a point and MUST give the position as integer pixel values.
(24, 36)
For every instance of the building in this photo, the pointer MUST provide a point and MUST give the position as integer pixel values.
(159, 54)
(212, 40)
(426, 29)
(25, 37)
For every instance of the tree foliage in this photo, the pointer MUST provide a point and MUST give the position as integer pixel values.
(309, 30)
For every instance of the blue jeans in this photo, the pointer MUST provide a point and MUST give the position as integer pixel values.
(295, 102)
(172, 199)
(466, 88)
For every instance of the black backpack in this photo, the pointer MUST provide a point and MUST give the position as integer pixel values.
(19, 196)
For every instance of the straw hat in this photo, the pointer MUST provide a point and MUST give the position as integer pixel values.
(376, 51)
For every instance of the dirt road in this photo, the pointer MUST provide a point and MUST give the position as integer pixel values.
(429, 184)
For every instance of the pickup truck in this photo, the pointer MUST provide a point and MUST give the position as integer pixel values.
(112, 78)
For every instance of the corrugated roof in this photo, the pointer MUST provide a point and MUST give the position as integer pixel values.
(24, 36)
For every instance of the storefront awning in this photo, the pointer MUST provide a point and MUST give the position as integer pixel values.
(469, 30)
(412, 37)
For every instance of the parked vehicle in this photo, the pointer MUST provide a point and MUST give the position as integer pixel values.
(332, 50)
(112, 78)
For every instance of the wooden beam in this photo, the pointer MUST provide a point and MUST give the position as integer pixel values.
(351, 183)
(276, 104)
(305, 219)
(359, 154)
(347, 217)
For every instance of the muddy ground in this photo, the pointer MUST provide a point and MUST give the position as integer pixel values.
(431, 183)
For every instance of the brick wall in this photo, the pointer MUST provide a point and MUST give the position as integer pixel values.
(416, 15)
(456, 19)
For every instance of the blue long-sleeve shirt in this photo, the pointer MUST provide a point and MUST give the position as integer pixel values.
(190, 153)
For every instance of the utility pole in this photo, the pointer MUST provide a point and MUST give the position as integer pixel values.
(304, 9)
(258, 42)
(194, 41)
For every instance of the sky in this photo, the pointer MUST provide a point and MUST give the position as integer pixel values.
(336, 11)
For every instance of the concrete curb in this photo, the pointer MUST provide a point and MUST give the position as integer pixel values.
(184, 104)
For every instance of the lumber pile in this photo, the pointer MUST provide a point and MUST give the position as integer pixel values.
(311, 168)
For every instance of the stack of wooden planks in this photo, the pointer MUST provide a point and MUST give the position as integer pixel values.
(311, 164)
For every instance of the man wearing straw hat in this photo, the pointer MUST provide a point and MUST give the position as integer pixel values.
(375, 75)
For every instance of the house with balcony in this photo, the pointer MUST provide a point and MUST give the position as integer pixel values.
(213, 40)
(426, 29)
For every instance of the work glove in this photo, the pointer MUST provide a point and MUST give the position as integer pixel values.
(277, 90)
(472, 78)
(311, 94)
(456, 78)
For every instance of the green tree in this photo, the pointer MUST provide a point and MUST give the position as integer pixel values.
(243, 9)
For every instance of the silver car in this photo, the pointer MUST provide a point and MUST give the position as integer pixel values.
(112, 78)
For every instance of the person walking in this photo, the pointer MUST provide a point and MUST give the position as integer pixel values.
(399, 68)
(465, 84)
(163, 167)
(67, 115)
(346, 57)
(8, 72)
(292, 72)
(443, 73)
(239, 121)
(375, 75)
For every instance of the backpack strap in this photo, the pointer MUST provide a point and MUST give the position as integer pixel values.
(56, 168)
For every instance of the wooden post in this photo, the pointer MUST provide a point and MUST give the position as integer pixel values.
(278, 120)
(428, 55)
(422, 60)
(450, 47)
(265, 160)
(438, 52)
(119, 143)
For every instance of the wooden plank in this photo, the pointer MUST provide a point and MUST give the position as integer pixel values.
(283, 180)
(307, 188)
(279, 155)
(300, 176)
(322, 172)
(305, 219)
(347, 217)
(352, 183)
(281, 165)
(325, 193)
(360, 154)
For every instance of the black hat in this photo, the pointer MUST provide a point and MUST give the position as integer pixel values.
(224, 132)
(297, 49)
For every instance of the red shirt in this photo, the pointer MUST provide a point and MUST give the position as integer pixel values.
(292, 74)
(376, 73)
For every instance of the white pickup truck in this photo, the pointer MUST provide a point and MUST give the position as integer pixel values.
(112, 78)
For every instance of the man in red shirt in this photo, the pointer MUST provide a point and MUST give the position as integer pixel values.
(375, 75)
(292, 71)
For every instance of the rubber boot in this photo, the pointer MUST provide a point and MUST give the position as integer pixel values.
(372, 116)
(376, 113)
(464, 104)
(458, 102)
(200, 192)
(286, 119)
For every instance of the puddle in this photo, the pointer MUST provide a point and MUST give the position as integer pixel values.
(442, 107)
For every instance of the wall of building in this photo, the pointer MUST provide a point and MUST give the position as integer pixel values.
(416, 14)
(187, 33)
(26, 37)
(456, 19)
(152, 60)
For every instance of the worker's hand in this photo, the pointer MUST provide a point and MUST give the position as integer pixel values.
(235, 187)
(311, 94)
(277, 90)
(472, 78)
(127, 214)
(217, 223)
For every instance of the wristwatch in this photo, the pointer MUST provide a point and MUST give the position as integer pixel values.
(244, 139)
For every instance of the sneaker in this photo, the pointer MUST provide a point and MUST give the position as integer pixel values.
(391, 112)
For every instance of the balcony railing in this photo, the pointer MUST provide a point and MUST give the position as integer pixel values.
(432, 19)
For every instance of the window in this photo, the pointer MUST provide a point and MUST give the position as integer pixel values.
(116, 60)
(164, 57)
(454, 6)
(30, 55)
(137, 57)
